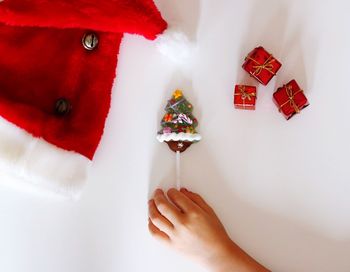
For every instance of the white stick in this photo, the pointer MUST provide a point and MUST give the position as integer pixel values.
(178, 170)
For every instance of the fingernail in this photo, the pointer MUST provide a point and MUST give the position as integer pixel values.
(159, 191)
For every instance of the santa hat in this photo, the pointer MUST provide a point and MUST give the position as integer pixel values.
(57, 67)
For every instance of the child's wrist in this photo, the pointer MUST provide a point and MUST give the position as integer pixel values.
(224, 257)
(232, 258)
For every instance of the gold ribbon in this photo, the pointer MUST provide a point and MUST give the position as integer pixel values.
(244, 94)
(267, 65)
(291, 97)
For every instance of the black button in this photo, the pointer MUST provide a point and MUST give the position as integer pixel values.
(90, 41)
(62, 107)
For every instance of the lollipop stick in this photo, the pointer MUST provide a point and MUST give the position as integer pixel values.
(178, 170)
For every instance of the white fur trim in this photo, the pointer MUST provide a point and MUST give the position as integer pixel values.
(185, 137)
(176, 46)
(41, 164)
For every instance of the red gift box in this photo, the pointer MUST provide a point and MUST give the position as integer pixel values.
(290, 99)
(245, 97)
(261, 65)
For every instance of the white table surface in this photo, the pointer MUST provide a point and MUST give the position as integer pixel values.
(281, 188)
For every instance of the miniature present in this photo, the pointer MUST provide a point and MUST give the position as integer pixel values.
(261, 65)
(290, 99)
(245, 97)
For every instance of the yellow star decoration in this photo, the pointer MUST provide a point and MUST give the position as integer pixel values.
(177, 94)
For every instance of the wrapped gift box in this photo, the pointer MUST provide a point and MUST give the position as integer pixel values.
(261, 65)
(290, 99)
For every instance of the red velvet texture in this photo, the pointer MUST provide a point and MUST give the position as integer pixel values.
(43, 59)
(131, 16)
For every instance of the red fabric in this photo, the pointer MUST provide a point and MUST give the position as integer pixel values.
(290, 99)
(245, 97)
(42, 60)
(261, 65)
(132, 16)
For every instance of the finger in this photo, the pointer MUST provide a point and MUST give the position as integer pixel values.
(168, 210)
(182, 201)
(196, 198)
(157, 233)
(158, 219)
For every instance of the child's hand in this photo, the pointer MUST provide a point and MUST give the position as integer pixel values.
(187, 223)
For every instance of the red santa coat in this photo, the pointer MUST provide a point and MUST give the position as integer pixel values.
(57, 66)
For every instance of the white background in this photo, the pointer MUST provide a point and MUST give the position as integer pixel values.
(282, 188)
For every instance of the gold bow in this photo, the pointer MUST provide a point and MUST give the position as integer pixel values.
(267, 65)
(244, 94)
(291, 97)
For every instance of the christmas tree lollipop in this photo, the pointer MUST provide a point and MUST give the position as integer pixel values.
(178, 124)
(178, 127)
